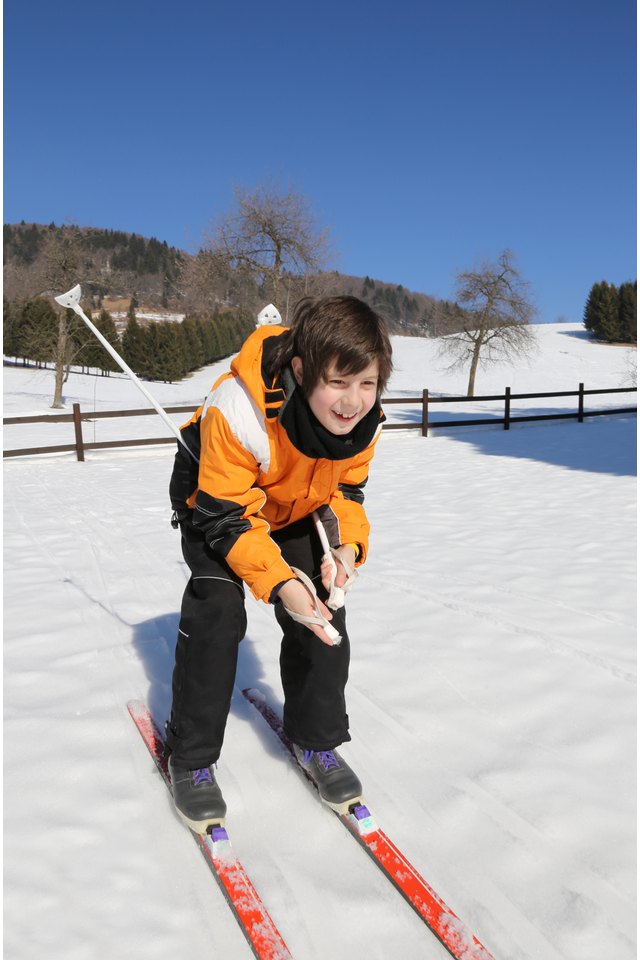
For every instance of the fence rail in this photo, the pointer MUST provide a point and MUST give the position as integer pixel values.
(425, 424)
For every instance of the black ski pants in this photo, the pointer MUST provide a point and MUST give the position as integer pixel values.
(212, 624)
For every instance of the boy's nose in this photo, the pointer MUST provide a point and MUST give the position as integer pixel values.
(353, 397)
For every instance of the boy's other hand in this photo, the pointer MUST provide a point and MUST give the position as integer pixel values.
(342, 576)
(297, 598)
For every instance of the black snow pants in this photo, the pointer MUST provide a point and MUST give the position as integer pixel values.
(212, 624)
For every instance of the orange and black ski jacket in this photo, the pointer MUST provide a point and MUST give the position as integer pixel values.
(265, 462)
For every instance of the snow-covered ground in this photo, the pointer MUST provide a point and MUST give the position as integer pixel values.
(492, 693)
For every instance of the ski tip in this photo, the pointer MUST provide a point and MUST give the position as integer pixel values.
(136, 707)
(251, 693)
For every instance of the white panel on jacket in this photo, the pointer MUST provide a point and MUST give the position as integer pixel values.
(244, 417)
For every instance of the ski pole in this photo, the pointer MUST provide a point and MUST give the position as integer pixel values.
(336, 594)
(71, 300)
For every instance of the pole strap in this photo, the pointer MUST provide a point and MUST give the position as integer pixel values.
(317, 619)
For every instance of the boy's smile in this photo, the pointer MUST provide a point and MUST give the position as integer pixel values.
(340, 400)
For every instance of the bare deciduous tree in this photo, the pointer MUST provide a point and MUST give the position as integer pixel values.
(207, 280)
(62, 258)
(495, 317)
(273, 234)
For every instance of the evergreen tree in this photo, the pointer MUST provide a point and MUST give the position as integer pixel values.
(82, 346)
(601, 312)
(11, 326)
(238, 326)
(211, 344)
(192, 344)
(627, 315)
(133, 344)
(39, 330)
(224, 340)
(169, 357)
(149, 366)
(133, 341)
(107, 328)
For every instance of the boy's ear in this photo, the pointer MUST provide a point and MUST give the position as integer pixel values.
(296, 366)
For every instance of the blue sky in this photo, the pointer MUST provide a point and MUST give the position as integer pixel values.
(426, 136)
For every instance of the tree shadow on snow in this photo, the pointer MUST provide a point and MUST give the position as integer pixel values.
(154, 641)
(595, 446)
(598, 445)
(580, 335)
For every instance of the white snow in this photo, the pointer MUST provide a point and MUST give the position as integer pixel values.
(492, 692)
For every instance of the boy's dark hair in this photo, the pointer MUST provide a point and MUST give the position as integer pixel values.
(343, 329)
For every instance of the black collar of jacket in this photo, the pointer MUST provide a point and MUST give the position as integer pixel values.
(313, 440)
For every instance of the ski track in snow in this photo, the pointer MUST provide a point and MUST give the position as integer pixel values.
(492, 697)
(478, 613)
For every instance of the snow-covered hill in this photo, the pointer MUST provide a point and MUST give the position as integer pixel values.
(492, 691)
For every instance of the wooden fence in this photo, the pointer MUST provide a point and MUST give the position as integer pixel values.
(508, 418)
(424, 424)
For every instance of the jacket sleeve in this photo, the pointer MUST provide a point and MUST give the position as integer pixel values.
(344, 517)
(226, 504)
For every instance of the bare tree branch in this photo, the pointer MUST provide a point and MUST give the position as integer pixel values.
(61, 263)
(495, 317)
(271, 234)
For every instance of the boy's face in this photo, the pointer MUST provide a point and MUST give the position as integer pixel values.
(340, 400)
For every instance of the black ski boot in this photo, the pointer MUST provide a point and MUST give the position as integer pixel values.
(337, 784)
(197, 797)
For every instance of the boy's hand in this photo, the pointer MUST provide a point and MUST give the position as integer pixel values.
(342, 576)
(296, 598)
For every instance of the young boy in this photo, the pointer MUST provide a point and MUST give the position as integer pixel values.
(290, 430)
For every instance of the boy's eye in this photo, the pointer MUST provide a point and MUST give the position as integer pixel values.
(336, 382)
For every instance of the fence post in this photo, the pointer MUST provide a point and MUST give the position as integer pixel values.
(507, 407)
(77, 424)
(581, 403)
(425, 413)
